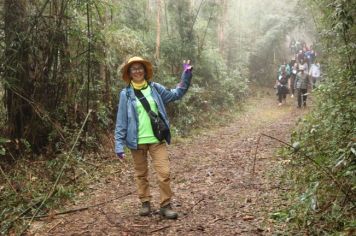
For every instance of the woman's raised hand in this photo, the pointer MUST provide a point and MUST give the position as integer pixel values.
(187, 66)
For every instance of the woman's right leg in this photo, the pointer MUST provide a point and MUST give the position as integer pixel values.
(141, 172)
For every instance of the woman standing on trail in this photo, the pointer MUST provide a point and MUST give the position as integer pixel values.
(141, 105)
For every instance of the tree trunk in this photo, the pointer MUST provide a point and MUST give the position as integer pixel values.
(158, 30)
(16, 68)
(34, 70)
(166, 16)
(221, 26)
(103, 75)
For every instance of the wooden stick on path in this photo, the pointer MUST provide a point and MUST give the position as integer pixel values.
(82, 208)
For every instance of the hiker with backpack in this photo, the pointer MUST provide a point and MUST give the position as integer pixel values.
(282, 85)
(310, 56)
(142, 125)
(301, 86)
(314, 74)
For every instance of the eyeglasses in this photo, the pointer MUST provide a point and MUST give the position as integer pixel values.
(137, 70)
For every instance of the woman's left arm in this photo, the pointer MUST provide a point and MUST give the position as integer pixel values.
(170, 95)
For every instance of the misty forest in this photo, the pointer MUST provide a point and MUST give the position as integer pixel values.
(263, 142)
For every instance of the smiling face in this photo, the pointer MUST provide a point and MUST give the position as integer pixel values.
(137, 72)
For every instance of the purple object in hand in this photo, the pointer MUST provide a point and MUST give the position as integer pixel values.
(120, 155)
(187, 66)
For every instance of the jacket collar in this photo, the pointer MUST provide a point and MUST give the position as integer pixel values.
(130, 91)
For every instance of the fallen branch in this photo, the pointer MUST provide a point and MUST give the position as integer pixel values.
(287, 144)
(80, 209)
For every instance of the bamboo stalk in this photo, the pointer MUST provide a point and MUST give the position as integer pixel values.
(59, 175)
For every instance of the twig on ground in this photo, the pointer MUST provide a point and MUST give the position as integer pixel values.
(255, 156)
(215, 220)
(156, 230)
(192, 207)
(136, 225)
(60, 222)
(202, 199)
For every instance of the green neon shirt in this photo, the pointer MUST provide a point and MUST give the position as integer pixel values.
(145, 132)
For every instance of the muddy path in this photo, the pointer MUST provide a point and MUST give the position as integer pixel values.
(216, 190)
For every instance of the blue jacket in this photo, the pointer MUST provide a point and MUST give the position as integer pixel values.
(127, 118)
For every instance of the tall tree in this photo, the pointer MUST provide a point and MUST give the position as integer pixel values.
(16, 67)
(158, 29)
(222, 25)
(35, 68)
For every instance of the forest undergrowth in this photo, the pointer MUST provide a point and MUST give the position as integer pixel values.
(38, 186)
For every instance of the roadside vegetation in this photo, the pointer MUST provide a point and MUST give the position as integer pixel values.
(322, 171)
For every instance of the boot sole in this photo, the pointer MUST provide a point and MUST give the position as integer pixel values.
(169, 217)
(144, 214)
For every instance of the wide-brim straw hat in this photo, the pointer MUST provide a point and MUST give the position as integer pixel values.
(125, 69)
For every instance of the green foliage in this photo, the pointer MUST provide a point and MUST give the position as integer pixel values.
(270, 50)
(205, 98)
(75, 53)
(133, 14)
(3, 141)
(89, 40)
(324, 171)
(182, 18)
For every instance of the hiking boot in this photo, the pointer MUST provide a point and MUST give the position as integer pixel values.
(167, 212)
(145, 209)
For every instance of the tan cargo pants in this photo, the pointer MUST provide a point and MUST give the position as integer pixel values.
(160, 161)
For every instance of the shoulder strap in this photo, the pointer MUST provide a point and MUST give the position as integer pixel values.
(143, 100)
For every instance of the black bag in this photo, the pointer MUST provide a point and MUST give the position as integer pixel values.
(160, 129)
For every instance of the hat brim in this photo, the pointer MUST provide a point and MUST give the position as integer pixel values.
(125, 69)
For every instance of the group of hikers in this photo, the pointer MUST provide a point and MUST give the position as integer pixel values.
(296, 76)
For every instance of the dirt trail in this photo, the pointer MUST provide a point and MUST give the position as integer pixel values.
(215, 190)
